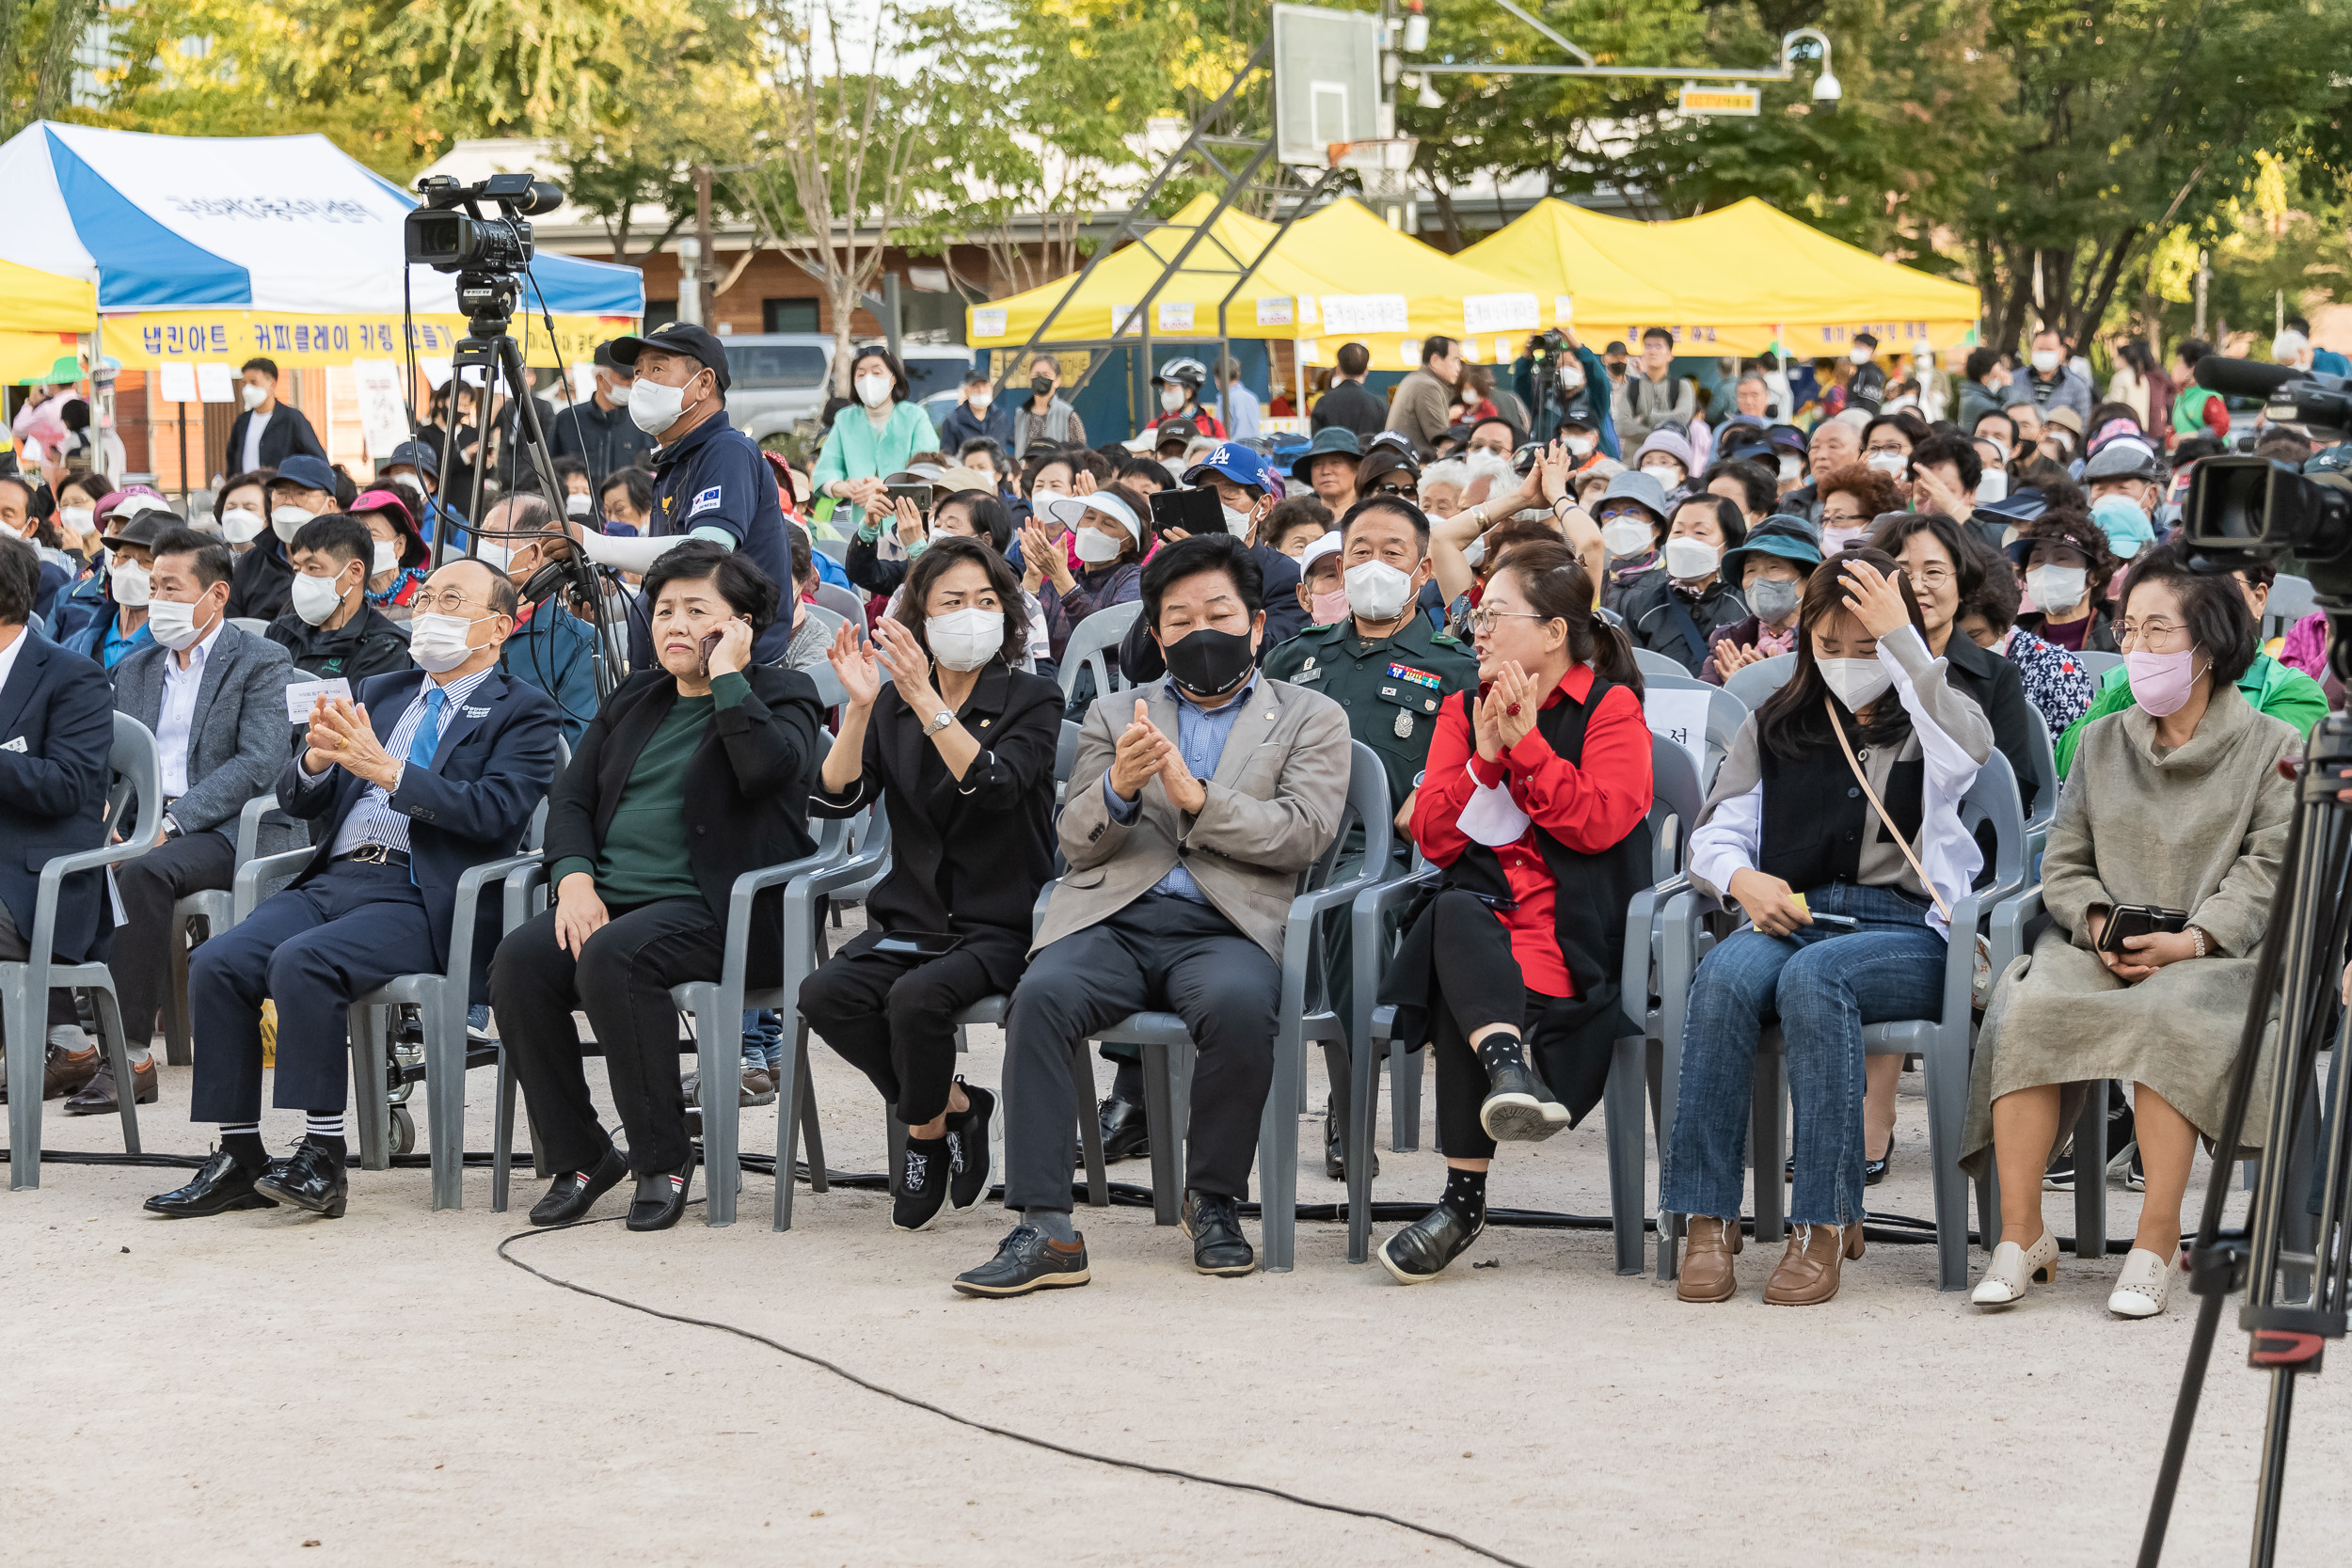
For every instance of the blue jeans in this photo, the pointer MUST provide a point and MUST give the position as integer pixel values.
(763, 1037)
(1821, 984)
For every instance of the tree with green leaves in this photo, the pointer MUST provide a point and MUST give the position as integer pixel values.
(36, 44)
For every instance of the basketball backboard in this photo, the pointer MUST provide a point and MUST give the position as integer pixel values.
(1327, 81)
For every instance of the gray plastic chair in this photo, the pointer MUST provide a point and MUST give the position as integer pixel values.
(1756, 682)
(2098, 663)
(1943, 1044)
(2291, 599)
(1658, 664)
(1674, 810)
(1725, 713)
(845, 602)
(253, 623)
(838, 548)
(1103, 630)
(216, 907)
(136, 770)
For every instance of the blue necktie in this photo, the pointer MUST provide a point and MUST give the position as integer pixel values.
(428, 736)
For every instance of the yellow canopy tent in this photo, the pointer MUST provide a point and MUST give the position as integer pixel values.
(1393, 291)
(1578, 279)
(1267, 306)
(1745, 276)
(41, 315)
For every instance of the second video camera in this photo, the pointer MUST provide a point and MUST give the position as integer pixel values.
(2242, 507)
(450, 232)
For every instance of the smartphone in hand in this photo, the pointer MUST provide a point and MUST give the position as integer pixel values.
(709, 646)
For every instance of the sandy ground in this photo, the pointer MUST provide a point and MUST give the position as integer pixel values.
(383, 1388)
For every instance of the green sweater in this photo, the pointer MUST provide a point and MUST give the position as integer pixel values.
(643, 859)
(2269, 686)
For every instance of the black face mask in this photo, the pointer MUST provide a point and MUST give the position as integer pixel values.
(1210, 663)
(1041, 386)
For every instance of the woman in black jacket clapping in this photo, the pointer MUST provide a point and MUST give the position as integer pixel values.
(690, 775)
(958, 746)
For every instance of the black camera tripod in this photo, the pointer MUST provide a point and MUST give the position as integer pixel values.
(2294, 1265)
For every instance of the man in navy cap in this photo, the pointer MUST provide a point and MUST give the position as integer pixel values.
(710, 481)
(303, 489)
(599, 432)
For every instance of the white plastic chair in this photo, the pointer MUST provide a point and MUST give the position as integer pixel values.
(1103, 630)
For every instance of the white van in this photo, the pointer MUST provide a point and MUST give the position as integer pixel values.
(782, 379)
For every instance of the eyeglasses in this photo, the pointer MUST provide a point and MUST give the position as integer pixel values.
(447, 602)
(1483, 620)
(1932, 576)
(1391, 490)
(2156, 635)
(1828, 516)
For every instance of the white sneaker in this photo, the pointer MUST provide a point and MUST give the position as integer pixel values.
(2141, 1288)
(2013, 1266)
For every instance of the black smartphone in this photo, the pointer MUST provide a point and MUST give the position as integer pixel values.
(1192, 511)
(919, 944)
(919, 493)
(2137, 920)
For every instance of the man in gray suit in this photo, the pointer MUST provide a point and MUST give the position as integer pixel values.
(215, 697)
(1195, 804)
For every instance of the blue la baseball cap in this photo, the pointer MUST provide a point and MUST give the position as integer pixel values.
(1234, 460)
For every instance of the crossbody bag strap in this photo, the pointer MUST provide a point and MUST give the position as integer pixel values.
(1872, 795)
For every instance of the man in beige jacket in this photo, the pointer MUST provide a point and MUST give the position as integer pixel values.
(1424, 399)
(1195, 804)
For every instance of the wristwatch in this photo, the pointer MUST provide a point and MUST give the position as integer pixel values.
(940, 721)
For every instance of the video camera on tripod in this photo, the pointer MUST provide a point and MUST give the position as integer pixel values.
(2243, 507)
(1554, 399)
(489, 251)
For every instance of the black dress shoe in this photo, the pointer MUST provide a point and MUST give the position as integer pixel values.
(310, 1177)
(1213, 1221)
(1335, 1148)
(1027, 1261)
(1420, 1252)
(221, 1186)
(661, 1198)
(1874, 1171)
(1516, 1109)
(573, 1193)
(1126, 1130)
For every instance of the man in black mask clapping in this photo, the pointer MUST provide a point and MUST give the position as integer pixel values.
(1194, 804)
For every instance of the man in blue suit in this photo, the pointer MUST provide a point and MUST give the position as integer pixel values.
(432, 772)
(56, 734)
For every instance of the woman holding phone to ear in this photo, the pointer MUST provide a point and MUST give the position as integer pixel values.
(690, 775)
(958, 746)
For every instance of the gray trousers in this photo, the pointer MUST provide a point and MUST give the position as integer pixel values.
(15, 948)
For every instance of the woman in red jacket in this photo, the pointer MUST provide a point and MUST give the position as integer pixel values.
(1535, 800)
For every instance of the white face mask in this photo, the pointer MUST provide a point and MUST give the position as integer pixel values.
(1690, 559)
(653, 407)
(495, 555)
(77, 518)
(578, 506)
(1236, 523)
(1626, 537)
(1572, 376)
(1992, 487)
(1791, 466)
(2045, 359)
(385, 558)
(129, 581)
(1857, 682)
(240, 524)
(1836, 539)
(173, 625)
(965, 638)
(979, 402)
(254, 393)
(287, 521)
(1889, 462)
(873, 390)
(1583, 446)
(1378, 590)
(1095, 548)
(1667, 474)
(315, 598)
(2058, 587)
(1172, 398)
(1861, 354)
(438, 642)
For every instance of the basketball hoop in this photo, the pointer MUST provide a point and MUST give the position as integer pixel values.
(1385, 164)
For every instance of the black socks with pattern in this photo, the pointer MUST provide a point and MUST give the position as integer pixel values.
(1500, 1050)
(1465, 1193)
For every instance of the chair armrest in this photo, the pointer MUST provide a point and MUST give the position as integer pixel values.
(250, 824)
(520, 883)
(2012, 918)
(461, 925)
(55, 872)
(1298, 931)
(263, 868)
(1037, 911)
(800, 917)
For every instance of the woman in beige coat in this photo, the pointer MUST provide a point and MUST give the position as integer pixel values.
(2176, 802)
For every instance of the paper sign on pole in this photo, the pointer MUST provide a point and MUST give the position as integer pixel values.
(1681, 718)
(383, 414)
(176, 384)
(216, 381)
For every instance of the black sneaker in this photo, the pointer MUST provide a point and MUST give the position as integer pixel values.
(1420, 1252)
(1027, 1261)
(1335, 1147)
(971, 1153)
(2060, 1176)
(922, 1185)
(1213, 1221)
(1516, 1110)
(2133, 1178)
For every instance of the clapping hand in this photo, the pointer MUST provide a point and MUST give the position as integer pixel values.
(1140, 749)
(1188, 793)
(1730, 657)
(1874, 599)
(1082, 482)
(1041, 553)
(1515, 699)
(901, 653)
(343, 734)
(869, 494)
(1553, 468)
(853, 666)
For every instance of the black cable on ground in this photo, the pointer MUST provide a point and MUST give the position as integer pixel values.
(887, 1392)
(1885, 1229)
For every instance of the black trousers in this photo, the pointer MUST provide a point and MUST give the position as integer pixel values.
(1478, 984)
(1158, 953)
(149, 885)
(622, 980)
(890, 1015)
(15, 947)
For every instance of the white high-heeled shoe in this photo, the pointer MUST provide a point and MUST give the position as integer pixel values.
(2146, 1282)
(2005, 1276)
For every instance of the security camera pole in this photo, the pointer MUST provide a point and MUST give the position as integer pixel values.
(1826, 88)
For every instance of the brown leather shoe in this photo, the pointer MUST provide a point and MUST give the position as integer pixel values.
(1807, 1275)
(97, 1097)
(1705, 1273)
(66, 1073)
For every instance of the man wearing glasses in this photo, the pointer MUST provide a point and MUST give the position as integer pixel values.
(428, 773)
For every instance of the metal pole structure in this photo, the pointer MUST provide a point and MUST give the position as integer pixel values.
(180, 418)
(706, 290)
(892, 325)
(1299, 211)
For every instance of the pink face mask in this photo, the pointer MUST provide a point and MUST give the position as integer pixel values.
(2161, 682)
(1328, 609)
